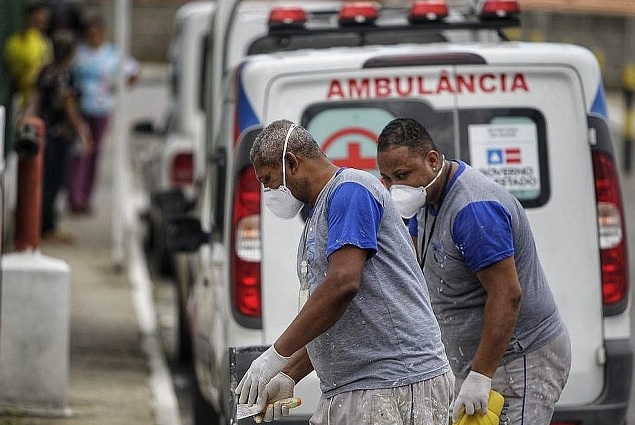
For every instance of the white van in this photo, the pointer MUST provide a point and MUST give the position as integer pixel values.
(532, 116)
(171, 172)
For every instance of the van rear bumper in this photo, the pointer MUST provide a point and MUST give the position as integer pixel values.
(610, 408)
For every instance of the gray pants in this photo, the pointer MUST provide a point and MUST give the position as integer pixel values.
(423, 403)
(533, 383)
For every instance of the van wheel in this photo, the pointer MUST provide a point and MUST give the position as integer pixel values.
(184, 353)
(203, 413)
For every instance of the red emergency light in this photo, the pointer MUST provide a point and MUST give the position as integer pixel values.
(287, 16)
(358, 13)
(496, 9)
(428, 11)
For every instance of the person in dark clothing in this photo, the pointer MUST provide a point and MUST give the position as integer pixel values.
(55, 101)
(66, 15)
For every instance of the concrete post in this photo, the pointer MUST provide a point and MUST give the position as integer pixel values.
(34, 304)
(35, 334)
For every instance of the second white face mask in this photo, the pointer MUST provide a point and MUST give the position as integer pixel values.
(281, 201)
(410, 199)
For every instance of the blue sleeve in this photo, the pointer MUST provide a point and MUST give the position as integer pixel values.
(354, 216)
(482, 231)
(413, 226)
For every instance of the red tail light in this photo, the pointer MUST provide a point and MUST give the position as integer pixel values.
(182, 170)
(611, 226)
(246, 249)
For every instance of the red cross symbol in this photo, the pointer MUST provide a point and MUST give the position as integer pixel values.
(353, 158)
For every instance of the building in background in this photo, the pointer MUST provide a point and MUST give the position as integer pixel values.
(605, 27)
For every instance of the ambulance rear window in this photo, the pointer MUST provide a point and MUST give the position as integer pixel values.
(347, 132)
(506, 144)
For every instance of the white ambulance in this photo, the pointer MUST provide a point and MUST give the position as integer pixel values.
(532, 116)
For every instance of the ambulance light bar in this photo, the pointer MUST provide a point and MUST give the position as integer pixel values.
(497, 9)
(358, 13)
(427, 11)
(287, 17)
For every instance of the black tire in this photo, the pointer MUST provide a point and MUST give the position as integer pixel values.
(184, 343)
(203, 413)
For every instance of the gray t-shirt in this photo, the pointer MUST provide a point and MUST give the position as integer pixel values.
(478, 224)
(388, 337)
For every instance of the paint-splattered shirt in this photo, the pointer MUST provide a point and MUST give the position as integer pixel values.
(478, 224)
(388, 337)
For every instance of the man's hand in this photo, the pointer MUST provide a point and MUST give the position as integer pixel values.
(252, 386)
(277, 390)
(473, 395)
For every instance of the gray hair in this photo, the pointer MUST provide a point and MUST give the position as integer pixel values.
(269, 144)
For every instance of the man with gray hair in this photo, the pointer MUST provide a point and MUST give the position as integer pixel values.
(365, 323)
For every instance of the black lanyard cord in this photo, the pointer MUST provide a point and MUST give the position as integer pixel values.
(425, 241)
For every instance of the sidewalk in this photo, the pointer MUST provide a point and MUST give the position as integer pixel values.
(117, 374)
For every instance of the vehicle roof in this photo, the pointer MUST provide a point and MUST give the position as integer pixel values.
(505, 53)
(518, 55)
(193, 8)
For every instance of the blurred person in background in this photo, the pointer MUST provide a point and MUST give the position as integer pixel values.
(96, 68)
(27, 51)
(55, 101)
(66, 15)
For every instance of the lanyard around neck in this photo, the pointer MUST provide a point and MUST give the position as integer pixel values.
(425, 241)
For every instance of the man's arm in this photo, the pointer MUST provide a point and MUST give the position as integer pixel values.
(328, 302)
(500, 280)
(299, 365)
(501, 313)
(75, 117)
(325, 306)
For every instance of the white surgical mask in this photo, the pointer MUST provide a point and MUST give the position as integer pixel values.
(281, 201)
(410, 199)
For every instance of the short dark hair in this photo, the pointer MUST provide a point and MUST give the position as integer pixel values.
(35, 6)
(405, 132)
(63, 42)
(93, 21)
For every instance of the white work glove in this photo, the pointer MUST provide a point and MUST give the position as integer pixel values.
(473, 395)
(277, 390)
(252, 387)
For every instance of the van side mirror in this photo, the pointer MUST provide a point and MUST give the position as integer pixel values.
(183, 234)
(173, 201)
(144, 127)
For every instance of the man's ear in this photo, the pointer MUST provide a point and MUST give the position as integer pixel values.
(434, 159)
(292, 162)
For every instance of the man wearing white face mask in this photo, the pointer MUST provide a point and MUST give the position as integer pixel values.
(365, 324)
(499, 322)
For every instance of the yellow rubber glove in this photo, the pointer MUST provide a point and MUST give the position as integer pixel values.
(494, 409)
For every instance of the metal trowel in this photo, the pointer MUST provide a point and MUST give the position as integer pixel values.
(246, 410)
